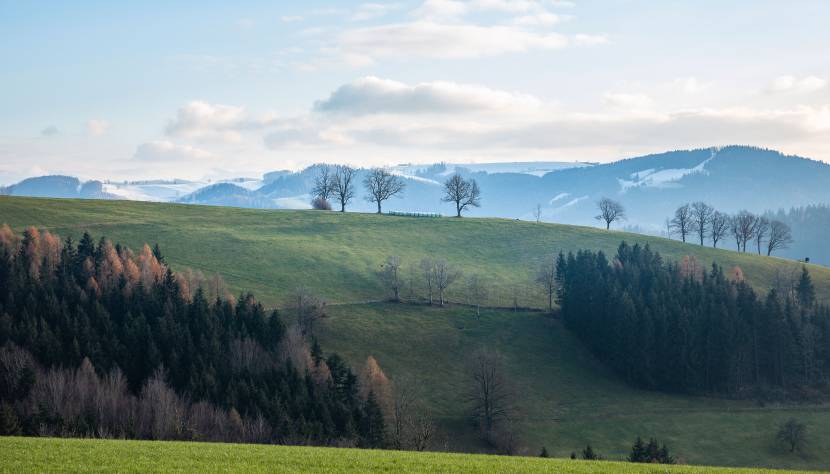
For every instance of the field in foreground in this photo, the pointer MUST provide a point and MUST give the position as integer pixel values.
(21, 455)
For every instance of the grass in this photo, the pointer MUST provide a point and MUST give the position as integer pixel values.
(23, 455)
(337, 255)
(567, 399)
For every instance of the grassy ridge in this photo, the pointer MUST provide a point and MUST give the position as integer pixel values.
(271, 252)
(23, 455)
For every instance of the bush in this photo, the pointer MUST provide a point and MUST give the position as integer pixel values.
(320, 204)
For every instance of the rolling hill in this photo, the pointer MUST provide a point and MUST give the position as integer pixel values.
(566, 398)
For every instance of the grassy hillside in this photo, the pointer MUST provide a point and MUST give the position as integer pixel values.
(337, 255)
(22, 455)
(567, 399)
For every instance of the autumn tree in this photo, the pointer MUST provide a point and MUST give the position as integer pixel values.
(681, 223)
(609, 211)
(463, 192)
(382, 185)
(343, 185)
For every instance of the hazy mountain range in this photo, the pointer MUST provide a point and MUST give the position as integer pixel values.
(650, 187)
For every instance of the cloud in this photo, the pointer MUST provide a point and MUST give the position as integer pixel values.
(627, 101)
(97, 127)
(538, 19)
(373, 95)
(50, 131)
(690, 85)
(370, 11)
(166, 151)
(792, 84)
(202, 120)
(291, 18)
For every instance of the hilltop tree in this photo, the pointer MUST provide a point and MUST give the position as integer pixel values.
(463, 192)
(382, 185)
(780, 236)
(681, 223)
(609, 211)
(701, 217)
(743, 228)
(343, 185)
(718, 227)
(323, 184)
(761, 230)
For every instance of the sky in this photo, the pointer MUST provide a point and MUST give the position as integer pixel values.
(194, 90)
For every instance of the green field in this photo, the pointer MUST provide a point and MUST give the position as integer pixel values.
(21, 455)
(566, 398)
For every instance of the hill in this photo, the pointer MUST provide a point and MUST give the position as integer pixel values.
(567, 398)
(84, 455)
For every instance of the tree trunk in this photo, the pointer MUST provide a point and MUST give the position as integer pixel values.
(379, 207)
(457, 209)
(342, 206)
(607, 225)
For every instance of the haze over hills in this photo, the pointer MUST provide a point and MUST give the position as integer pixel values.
(650, 187)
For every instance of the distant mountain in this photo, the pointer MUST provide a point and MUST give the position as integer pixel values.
(228, 194)
(57, 187)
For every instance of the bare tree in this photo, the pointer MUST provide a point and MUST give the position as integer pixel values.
(323, 183)
(537, 213)
(444, 276)
(382, 185)
(718, 227)
(476, 293)
(391, 275)
(490, 393)
(308, 308)
(794, 434)
(428, 271)
(609, 211)
(681, 223)
(780, 236)
(462, 192)
(701, 214)
(343, 185)
(743, 228)
(410, 426)
(761, 230)
(546, 277)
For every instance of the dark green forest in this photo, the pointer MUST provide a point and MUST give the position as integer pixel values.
(680, 327)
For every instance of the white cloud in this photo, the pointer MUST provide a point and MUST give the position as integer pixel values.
(797, 85)
(538, 19)
(202, 120)
(627, 101)
(370, 11)
(97, 127)
(166, 151)
(373, 95)
(690, 85)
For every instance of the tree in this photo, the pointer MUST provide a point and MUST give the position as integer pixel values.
(718, 227)
(589, 454)
(9, 424)
(793, 434)
(681, 223)
(444, 276)
(382, 185)
(373, 426)
(544, 453)
(462, 192)
(761, 230)
(650, 453)
(701, 216)
(490, 393)
(537, 213)
(390, 274)
(546, 278)
(410, 426)
(428, 272)
(804, 290)
(308, 308)
(476, 293)
(780, 236)
(609, 211)
(323, 184)
(343, 185)
(743, 228)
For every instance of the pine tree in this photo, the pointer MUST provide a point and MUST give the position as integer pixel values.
(805, 290)
(9, 424)
(544, 453)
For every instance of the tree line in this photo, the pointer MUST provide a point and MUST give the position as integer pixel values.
(380, 184)
(677, 327)
(96, 340)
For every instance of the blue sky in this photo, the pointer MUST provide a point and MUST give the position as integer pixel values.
(210, 89)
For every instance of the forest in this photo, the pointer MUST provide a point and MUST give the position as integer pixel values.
(98, 341)
(678, 327)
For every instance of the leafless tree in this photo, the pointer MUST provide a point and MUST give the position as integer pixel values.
(609, 211)
(537, 213)
(780, 236)
(462, 192)
(323, 183)
(701, 214)
(718, 227)
(681, 223)
(428, 272)
(793, 433)
(743, 228)
(382, 185)
(476, 293)
(410, 425)
(490, 393)
(761, 230)
(308, 308)
(445, 275)
(546, 277)
(392, 277)
(343, 185)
